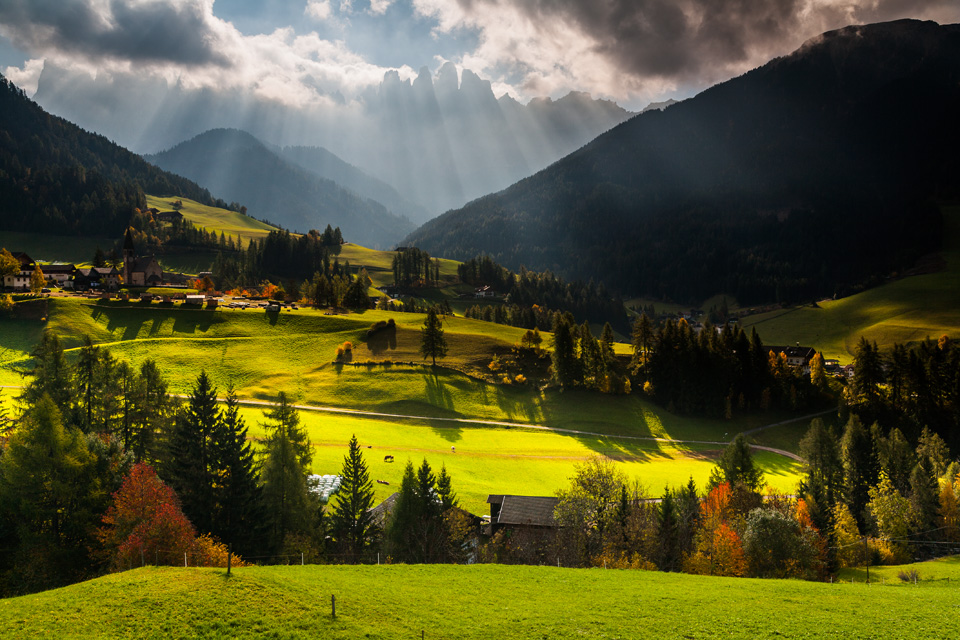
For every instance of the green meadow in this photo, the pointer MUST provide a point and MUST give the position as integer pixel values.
(518, 461)
(464, 602)
(907, 310)
(231, 223)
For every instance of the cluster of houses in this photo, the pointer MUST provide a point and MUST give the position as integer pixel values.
(142, 271)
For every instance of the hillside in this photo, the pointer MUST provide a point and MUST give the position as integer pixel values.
(327, 165)
(440, 601)
(807, 177)
(59, 179)
(236, 166)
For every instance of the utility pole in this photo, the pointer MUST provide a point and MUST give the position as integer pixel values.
(866, 557)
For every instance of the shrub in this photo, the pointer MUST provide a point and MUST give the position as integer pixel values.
(520, 379)
(909, 576)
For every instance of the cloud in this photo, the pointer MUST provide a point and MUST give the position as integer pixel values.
(319, 9)
(379, 7)
(629, 48)
(26, 78)
(178, 31)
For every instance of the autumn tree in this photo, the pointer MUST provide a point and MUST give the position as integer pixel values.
(37, 279)
(587, 510)
(145, 525)
(9, 266)
(847, 542)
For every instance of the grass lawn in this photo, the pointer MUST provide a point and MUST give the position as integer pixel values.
(517, 602)
(507, 460)
(907, 310)
(944, 570)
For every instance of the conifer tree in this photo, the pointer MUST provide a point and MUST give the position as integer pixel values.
(240, 514)
(432, 342)
(189, 464)
(352, 524)
(289, 505)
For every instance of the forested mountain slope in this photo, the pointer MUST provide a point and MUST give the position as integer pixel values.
(809, 176)
(59, 179)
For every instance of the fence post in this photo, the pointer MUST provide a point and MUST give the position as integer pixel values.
(301, 558)
(333, 605)
(184, 559)
(229, 556)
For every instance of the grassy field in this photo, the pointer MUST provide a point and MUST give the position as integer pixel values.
(942, 569)
(517, 602)
(508, 460)
(907, 310)
(215, 219)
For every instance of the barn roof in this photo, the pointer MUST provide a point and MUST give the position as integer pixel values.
(525, 510)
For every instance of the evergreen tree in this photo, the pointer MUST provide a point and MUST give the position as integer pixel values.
(49, 489)
(736, 466)
(566, 366)
(240, 513)
(289, 505)
(448, 498)
(859, 469)
(189, 464)
(50, 375)
(432, 343)
(925, 500)
(822, 483)
(352, 525)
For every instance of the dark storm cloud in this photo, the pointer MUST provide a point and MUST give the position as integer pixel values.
(690, 40)
(175, 32)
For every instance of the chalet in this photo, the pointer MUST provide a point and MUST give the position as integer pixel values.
(168, 216)
(86, 279)
(796, 356)
(139, 272)
(62, 274)
(380, 514)
(484, 292)
(109, 278)
(20, 280)
(198, 298)
(521, 512)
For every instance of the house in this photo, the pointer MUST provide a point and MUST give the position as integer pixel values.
(59, 273)
(198, 298)
(796, 356)
(168, 216)
(20, 280)
(86, 279)
(139, 272)
(109, 278)
(484, 292)
(380, 514)
(521, 512)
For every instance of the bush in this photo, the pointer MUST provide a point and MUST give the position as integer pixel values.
(382, 325)
(909, 576)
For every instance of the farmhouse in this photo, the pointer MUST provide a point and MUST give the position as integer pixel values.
(20, 280)
(796, 356)
(139, 272)
(168, 216)
(62, 274)
(484, 292)
(521, 512)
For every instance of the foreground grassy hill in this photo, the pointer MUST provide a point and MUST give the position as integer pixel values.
(476, 601)
(905, 310)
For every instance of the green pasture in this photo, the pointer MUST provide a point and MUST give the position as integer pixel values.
(907, 310)
(517, 461)
(943, 570)
(464, 602)
(231, 223)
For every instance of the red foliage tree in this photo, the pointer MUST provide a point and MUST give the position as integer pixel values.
(145, 523)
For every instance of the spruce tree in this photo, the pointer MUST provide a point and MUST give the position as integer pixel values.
(288, 503)
(736, 466)
(240, 514)
(432, 343)
(352, 524)
(188, 466)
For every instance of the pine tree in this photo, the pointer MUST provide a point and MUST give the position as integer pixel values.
(859, 470)
(50, 375)
(189, 467)
(352, 524)
(432, 343)
(289, 505)
(736, 466)
(240, 514)
(823, 472)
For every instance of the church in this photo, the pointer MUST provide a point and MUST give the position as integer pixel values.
(139, 272)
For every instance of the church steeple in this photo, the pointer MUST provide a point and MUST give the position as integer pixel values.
(129, 257)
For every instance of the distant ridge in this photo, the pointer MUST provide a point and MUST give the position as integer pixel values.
(236, 166)
(810, 176)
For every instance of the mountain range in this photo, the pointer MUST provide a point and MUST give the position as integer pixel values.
(440, 139)
(814, 174)
(238, 167)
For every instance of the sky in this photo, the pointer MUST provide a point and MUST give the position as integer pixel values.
(306, 52)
